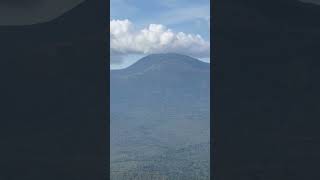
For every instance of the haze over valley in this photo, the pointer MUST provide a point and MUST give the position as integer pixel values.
(160, 118)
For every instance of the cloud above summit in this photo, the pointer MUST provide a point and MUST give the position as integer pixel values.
(126, 39)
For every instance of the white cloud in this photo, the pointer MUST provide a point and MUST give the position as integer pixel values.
(155, 38)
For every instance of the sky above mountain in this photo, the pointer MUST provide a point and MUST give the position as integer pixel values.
(140, 27)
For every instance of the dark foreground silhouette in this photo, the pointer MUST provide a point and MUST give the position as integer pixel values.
(54, 97)
(266, 81)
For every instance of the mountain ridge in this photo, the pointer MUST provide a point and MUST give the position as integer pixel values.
(165, 62)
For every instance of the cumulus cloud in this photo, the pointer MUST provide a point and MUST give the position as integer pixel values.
(156, 38)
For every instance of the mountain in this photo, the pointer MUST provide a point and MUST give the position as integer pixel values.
(159, 114)
(266, 89)
(157, 75)
(168, 61)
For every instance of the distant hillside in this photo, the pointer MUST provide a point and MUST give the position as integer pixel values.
(157, 77)
(159, 113)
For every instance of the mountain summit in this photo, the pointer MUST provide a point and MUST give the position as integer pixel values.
(163, 70)
(169, 62)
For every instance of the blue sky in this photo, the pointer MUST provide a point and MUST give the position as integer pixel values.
(191, 17)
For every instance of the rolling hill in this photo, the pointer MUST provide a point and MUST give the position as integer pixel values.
(160, 116)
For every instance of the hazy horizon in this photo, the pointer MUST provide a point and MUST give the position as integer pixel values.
(160, 89)
(136, 59)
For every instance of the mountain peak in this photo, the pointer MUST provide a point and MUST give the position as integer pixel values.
(169, 56)
(167, 62)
